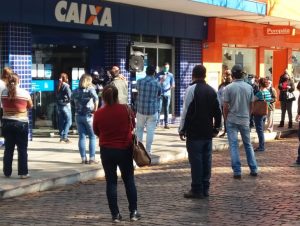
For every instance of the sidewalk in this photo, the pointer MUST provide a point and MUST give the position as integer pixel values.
(53, 164)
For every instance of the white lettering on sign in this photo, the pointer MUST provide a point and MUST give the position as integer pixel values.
(83, 14)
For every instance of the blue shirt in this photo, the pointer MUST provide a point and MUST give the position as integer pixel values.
(239, 96)
(166, 81)
(85, 100)
(147, 102)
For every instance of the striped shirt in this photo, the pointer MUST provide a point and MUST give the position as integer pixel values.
(16, 109)
(264, 95)
(147, 102)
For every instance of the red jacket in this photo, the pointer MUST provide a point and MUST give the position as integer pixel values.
(111, 125)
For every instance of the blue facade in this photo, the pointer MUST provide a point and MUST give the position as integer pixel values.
(107, 45)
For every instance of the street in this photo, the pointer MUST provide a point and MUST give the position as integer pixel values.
(272, 198)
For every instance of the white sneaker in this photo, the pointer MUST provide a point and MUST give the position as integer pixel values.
(24, 176)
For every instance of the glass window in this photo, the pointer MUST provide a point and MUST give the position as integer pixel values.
(149, 38)
(166, 40)
(242, 56)
(296, 65)
(268, 63)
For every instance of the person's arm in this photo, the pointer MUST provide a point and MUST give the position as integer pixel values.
(95, 99)
(172, 82)
(291, 86)
(29, 103)
(225, 110)
(217, 117)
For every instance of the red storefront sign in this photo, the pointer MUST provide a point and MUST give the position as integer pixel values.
(279, 30)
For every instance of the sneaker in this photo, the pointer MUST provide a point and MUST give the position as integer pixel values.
(193, 195)
(237, 176)
(61, 140)
(93, 162)
(258, 150)
(253, 174)
(167, 127)
(135, 216)
(67, 141)
(84, 162)
(117, 218)
(24, 176)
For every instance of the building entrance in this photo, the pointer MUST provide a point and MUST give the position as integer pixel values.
(48, 61)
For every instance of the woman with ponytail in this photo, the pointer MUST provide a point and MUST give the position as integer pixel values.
(113, 127)
(16, 102)
(63, 99)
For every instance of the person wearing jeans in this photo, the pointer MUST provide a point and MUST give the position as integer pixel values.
(86, 103)
(15, 102)
(232, 134)
(238, 100)
(167, 83)
(113, 127)
(150, 122)
(63, 98)
(200, 122)
(147, 105)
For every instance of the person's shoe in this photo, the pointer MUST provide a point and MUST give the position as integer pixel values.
(222, 135)
(93, 162)
(281, 124)
(253, 174)
(117, 218)
(206, 193)
(61, 140)
(67, 141)
(167, 127)
(84, 162)
(237, 176)
(135, 216)
(7, 176)
(193, 195)
(258, 150)
(290, 126)
(24, 176)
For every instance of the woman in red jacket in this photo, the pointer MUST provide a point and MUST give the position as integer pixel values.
(113, 127)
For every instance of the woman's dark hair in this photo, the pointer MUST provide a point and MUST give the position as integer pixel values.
(199, 71)
(63, 78)
(110, 95)
(7, 71)
(12, 82)
(263, 82)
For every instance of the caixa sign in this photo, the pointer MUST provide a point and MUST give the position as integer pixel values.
(73, 12)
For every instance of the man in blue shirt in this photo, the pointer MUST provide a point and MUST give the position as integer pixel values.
(147, 105)
(167, 82)
(238, 100)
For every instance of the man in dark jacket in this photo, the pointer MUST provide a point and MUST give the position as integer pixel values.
(200, 122)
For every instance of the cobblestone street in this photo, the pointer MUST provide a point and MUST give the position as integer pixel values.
(272, 198)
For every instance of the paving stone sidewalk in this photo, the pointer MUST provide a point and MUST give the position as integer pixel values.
(53, 164)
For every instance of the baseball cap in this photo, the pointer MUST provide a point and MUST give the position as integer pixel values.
(237, 70)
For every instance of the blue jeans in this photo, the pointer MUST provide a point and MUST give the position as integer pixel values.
(64, 120)
(164, 104)
(111, 158)
(260, 127)
(200, 158)
(85, 128)
(150, 122)
(15, 133)
(232, 134)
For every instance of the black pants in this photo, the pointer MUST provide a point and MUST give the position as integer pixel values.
(286, 106)
(298, 158)
(15, 134)
(111, 158)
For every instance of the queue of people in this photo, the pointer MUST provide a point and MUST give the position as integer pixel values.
(114, 122)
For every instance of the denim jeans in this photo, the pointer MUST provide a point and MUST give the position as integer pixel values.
(15, 134)
(85, 128)
(64, 120)
(260, 127)
(164, 104)
(200, 158)
(232, 134)
(150, 122)
(111, 159)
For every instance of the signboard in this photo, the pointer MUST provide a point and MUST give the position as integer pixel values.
(42, 85)
(75, 84)
(279, 30)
